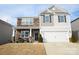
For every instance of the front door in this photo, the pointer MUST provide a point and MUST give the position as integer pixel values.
(36, 36)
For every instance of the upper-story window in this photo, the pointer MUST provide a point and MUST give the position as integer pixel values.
(27, 21)
(61, 18)
(47, 18)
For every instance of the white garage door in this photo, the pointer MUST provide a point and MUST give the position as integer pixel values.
(55, 36)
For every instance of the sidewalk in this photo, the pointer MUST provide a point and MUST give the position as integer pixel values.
(62, 48)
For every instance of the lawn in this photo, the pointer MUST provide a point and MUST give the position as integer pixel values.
(22, 49)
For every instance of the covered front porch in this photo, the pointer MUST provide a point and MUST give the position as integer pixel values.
(28, 35)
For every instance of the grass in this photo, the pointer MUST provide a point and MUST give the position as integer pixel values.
(22, 49)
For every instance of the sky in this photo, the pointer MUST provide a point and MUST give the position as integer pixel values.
(10, 12)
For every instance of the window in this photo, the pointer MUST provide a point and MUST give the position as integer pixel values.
(46, 18)
(27, 21)
(62, 18)
(24, 34)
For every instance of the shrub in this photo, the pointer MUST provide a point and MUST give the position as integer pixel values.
(20, 40)
(40, 39)
(73, 39)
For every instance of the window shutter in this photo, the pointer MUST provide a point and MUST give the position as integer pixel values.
(58, 18)
(43, 18)
(50, 18)
(65, 18)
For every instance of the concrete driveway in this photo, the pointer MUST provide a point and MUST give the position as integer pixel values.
(62, 48)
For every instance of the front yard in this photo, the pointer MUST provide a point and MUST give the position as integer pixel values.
(22, 49)
(54, 48)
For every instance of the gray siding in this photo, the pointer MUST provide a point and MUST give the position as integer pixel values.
(5, 32)
(75, 29)
(75, 25)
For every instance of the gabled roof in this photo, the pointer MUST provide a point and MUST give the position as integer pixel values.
(75, 19)
(55, 9)
(3, 22)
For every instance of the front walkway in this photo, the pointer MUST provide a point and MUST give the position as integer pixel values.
(62, 48)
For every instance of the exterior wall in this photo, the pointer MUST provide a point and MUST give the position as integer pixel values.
(75, 29)
(20, 27)
(78, 36)
(18, 22)
(75, 25)
(47, 24)
(17, 35)
(35, 23)
(5, 32)
(56, 27)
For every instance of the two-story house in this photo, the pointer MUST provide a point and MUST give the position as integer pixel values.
(53, 24)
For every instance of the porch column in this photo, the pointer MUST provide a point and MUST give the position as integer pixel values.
(30, 32)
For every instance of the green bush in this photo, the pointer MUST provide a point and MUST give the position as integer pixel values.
(40, 39)
(73, 39)
(20, 40)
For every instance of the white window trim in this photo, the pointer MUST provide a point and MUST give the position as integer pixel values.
(24, 34)
(23, 22)
(65, 20)
(49, 18)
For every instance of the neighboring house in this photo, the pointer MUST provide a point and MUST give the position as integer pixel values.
(53, 24)
(75, 28)
(5, 32)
